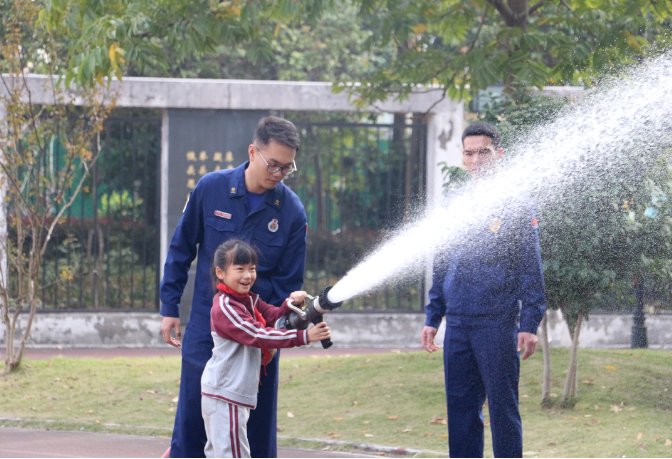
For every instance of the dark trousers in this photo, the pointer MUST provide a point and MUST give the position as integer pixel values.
(482, 361)
(189, 431)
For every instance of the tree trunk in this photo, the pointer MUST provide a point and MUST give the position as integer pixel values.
(569, 392)
(14, 358)
(638, 338)
(9, 335)
(546, 353)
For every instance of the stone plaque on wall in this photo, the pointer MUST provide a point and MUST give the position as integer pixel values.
(202, 141)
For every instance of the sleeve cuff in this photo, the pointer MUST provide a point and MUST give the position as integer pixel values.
(528, 328)
(169, 310)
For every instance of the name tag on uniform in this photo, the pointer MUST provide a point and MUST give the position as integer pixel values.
(222, 214)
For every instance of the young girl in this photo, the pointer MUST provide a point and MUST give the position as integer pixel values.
(241, 324)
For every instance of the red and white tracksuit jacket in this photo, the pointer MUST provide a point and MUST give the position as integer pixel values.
(232, 373)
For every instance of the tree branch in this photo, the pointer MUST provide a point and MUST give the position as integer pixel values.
(73, 197)
(503, 9)
(513, 17)
(534, 8)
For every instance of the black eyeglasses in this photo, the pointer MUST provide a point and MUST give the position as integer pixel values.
(274, 169)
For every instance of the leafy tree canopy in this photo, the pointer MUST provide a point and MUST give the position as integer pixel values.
(97, 39)
(462, 47)
(326, 48)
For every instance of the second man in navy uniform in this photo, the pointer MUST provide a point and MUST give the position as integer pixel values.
(250, 203)
(490, 289)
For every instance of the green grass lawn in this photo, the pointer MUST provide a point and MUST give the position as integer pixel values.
(624, 407)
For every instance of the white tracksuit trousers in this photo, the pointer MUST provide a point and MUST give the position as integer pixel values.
(226, 428)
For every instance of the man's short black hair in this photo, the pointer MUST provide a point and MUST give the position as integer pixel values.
(278, 129)
(485, 129)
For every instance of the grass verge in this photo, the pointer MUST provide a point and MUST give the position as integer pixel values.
(386, 401)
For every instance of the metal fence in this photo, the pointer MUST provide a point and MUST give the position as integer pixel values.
(105, 254)
(358, 182)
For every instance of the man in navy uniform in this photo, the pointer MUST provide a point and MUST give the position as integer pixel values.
(250, 203)
(491, 291)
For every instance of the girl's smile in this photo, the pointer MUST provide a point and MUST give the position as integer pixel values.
(239, 278)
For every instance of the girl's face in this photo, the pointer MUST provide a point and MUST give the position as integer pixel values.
(239, 278)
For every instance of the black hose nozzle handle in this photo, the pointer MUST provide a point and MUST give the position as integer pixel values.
(326, 343)
(323, 303)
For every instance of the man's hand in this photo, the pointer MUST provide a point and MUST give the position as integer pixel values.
(427, 339)
(527, 343)
(167, 326)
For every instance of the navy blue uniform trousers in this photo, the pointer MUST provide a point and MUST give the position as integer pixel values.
(189, 432)
(481, 360)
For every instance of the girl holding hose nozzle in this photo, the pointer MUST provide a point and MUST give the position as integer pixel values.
(244, 342)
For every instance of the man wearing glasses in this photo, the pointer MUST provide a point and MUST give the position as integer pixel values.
(250, 203)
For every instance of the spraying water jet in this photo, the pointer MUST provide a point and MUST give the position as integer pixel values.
(583, 145)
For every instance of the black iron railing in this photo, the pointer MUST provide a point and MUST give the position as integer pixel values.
(358, 181)
(105, 254)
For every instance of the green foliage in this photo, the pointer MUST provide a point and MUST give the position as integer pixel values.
(599, 240)
(286, 40)
(120, 205)
(453, 177)
(320, 48)
(515, 120)
(464, 47)
(116, 37)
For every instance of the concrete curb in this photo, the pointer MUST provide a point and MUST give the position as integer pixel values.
(377, 450)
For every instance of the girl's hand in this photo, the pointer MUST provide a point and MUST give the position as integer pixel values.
(298, 297)
(318, 332)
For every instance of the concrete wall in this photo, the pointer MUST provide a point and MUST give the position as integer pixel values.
(349, 330)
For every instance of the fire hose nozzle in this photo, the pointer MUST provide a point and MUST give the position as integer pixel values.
(322, 301)
(299, 318)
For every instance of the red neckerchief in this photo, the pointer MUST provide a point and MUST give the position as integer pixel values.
(266, 354)
(222, 287)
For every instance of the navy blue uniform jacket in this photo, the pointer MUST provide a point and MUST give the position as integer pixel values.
(486, 278)
(217, 211)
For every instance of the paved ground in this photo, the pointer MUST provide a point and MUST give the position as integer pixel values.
(16, 442)
(55, 443)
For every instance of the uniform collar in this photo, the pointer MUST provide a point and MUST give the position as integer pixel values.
(237, 183)
(237, 188)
